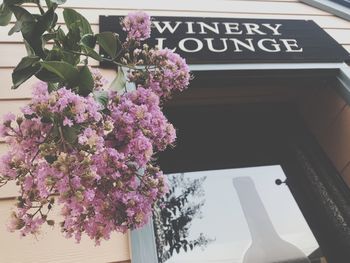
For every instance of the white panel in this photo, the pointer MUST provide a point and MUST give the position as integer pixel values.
(11, 54)
(326, 21)
(340, 35)
(11, 106)
(199, 5)
(92, 14)
(51, 246)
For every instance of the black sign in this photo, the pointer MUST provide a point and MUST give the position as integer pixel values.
(230, 40)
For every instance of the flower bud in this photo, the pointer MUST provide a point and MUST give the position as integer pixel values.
(50, 222)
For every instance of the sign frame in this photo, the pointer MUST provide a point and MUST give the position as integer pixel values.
(246, 40)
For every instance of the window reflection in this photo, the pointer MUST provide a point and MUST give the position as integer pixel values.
(233, 215)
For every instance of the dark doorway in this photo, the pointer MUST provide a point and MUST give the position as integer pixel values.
(212, 137)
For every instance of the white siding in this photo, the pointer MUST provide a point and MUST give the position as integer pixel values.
(52, 247)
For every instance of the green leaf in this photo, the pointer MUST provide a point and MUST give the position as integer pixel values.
(108, 41)
(50, 159)
(5, 15)
(86, 81)
(16, 28)
(27, 62)
(54, 55)
(48, 3)
(72, 39)
(71, 133)
(47, 76)
(30, 50)
(89, 40)
(92, 53)
(24, 70)
(63, 70)
(59, 2)
(29, 29)
(22, 14)
(51, 3)
(61, 35)
(119, 83)
(46, 22)
(70, 58)
(71, 16)
(52, 86)
(18, 2)
(101, 96)
(49, 36)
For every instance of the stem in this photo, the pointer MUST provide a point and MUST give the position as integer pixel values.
(41, 9)
(142, 180)
(2, 183)
(37, 211)
(105, 59)
(46, 138)
(62, 138)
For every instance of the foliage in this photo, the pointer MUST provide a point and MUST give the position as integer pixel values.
(88, 147)
(174, 214)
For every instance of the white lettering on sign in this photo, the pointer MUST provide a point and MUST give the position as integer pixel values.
(190, 28)
(272, 47)
(265, 37)
(232, 28)
(253, 29)
(290, 44)
(166, 26)
(217, 28)
(273, 29)
(198, 45)
(211, 45)
(205, 27)
(238, 44)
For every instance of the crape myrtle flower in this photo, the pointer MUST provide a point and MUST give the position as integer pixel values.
(95, 161)
(137, 25)
(60, 152)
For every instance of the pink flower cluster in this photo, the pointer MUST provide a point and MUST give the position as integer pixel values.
(168, 72)
(139, 122)
(94, 155)
(171, 73)
(98, 166)
(137, 25)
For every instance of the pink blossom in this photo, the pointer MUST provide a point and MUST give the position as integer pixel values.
(137, 25)
(172, 73)
(67, 122)
(97, 163)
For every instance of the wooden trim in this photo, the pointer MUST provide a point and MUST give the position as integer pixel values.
(266, 66)
(320, 191)
(143, 244)
(343, 83)
(330, 7)
(240, 6)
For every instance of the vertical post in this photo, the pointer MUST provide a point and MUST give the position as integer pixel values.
(143, 244)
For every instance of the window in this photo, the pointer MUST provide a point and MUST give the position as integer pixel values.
(232, 215)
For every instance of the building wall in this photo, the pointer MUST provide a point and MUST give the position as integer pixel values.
(327, 115)
(324, 110)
